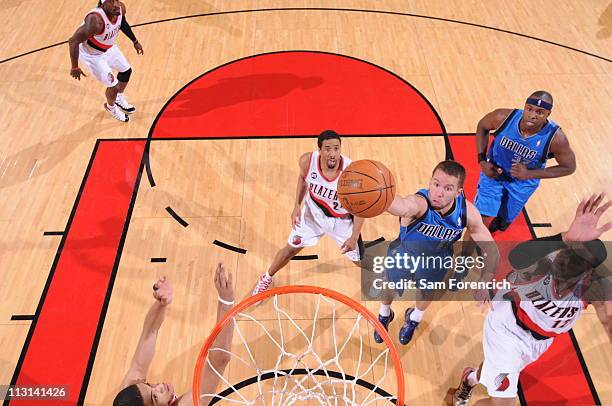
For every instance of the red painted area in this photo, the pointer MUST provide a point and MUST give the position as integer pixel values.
(296, 93)
(557, 377)
(62, 340)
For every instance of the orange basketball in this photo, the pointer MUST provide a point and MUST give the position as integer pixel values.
(366, 188)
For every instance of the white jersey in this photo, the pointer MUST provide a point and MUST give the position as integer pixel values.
(100, 43)
(538, 307)
(322, 192)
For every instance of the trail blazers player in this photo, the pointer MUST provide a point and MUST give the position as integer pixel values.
(93, 45)
(322, 213)
(554, 279)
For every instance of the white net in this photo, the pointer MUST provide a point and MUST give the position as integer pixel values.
(303, 349)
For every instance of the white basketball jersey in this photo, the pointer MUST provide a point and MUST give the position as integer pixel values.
(539, 307)
(106, 39)
(322, 192)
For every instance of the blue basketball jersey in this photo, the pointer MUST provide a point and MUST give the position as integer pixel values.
(509, 147)
(432, 227)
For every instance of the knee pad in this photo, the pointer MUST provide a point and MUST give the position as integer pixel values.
(124, 76)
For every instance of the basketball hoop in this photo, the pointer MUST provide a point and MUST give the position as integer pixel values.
(307, 345)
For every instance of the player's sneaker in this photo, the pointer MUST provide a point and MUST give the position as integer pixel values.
(385, 321)
(462, 395)
(123, 104)
(407, 330)
(264, 284)
(115, 112)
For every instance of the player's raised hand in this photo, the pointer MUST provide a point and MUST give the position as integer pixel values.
(224, 283)
(162, 291)
(296, 215)
(584, 227)
(76, 73)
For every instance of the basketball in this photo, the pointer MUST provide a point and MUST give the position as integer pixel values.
(366, 188)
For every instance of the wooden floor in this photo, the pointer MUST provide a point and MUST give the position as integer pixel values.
(50, 122)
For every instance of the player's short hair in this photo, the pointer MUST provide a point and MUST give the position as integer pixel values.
(129, 396)
(327, 135)
(581, 257)
(451, 168)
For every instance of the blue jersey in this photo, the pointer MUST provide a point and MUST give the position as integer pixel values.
(509, 147)
(433, 232)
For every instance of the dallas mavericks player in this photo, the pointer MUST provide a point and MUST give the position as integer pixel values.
(431, 221)
(515, 163)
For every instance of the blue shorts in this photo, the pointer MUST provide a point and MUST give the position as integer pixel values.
(421, 275)
(503, 198)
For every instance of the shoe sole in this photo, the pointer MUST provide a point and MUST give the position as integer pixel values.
(127, 118)
(126, 111)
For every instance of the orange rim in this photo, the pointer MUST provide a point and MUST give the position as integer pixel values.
(284, 290)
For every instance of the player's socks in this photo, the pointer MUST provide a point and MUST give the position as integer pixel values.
(116, 113)
(123, 104)
(385, 310)
(264, 283)
(463, 393)
(417, 315)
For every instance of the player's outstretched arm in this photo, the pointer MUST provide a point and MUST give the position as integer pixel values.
(219, 358)
(482, 236)
(163, 294)
(93, 25)
(410, 207)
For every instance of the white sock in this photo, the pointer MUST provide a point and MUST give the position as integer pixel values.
(472, 379)
(268, 275)
(111, 106)
(385, 310)
(417, 315)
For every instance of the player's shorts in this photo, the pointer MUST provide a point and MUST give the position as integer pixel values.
(503, 198)
(314, 224)
(508, 349)
(424, 275)
(101, 65)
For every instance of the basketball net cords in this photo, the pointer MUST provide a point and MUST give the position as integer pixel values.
(299, 392)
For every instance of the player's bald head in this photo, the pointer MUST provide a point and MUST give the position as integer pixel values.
(542, 95)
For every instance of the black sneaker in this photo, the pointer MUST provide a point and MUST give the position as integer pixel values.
(462, 395)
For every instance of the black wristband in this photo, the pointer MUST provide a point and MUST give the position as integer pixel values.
(482, 156)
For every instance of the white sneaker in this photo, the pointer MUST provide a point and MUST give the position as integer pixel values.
(115, 112)
(264, 284)
(123, 104)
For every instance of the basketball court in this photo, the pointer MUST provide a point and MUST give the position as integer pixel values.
(229, 95)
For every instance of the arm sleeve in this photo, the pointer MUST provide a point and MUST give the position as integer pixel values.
(127, 30)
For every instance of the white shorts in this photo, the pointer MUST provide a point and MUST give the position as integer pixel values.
(101, 65)
(508, 349)
(314, 224)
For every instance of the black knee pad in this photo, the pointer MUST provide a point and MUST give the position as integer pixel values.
(124, 76)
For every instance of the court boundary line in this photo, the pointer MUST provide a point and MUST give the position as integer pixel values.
(348, 10)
